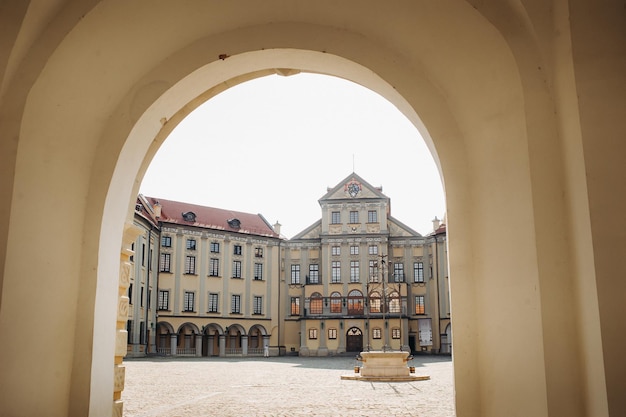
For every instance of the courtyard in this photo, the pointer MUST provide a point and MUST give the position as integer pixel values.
(282, 386)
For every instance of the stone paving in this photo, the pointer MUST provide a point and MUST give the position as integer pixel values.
(285, 386)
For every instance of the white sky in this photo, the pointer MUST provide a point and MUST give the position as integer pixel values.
(273, 145)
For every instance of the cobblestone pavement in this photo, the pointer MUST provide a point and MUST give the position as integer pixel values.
(285, 386)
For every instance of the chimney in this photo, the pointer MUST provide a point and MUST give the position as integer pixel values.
(436, 224)
(277, 227)
(157, 209)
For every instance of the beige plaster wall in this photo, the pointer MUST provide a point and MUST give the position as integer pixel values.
(90, 90)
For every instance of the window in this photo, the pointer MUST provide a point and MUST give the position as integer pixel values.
(237, 250)
(236, 269)
(258, 252)
(420, 307)
(418, 271)
(336, 271)
(335, 217)
(213, 302)
(335, 302)
(332, 333)
(142, 332)
(372, 250)
(295, 306)
(398, 272)
(165, 262)
(316, 303)
(166, 241)
(377, 333)
(372, 216)
(191, 244)
(258, 272)
(295, 274)
(214, 267)
(190, 265)
(257, 306)
(373, 271)
(164, 300)
(188, 301)
(149, 299)
(312, 333)
(141, 297)
(355, 302)
(129, 330)
(335, 250)
(235, 304)
(354, 250)
(130, 293)
(395, 333)
(394, 303)
(214, 247)
(354, 217)
(143, 254)
(132, 248)
(354, 271)
(314, 274)
(375, 302)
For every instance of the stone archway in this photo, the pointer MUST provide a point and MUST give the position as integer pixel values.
(520, 120)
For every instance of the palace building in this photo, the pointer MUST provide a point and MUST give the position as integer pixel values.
(229, 285)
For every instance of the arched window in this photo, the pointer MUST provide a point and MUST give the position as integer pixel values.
(316, 303)
(394, 303)
(375, 302)
(355, 302)
(335, 302)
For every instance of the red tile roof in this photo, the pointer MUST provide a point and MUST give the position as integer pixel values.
(213, 218)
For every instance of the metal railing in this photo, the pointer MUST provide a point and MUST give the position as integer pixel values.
(186, 351)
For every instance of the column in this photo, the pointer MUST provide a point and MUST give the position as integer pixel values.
(266, 344)
(210, 341)
(322, 350)
(222, 345)
(173, 343)
(244, 345)
(199, 344)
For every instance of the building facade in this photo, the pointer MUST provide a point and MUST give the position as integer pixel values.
(228, 284)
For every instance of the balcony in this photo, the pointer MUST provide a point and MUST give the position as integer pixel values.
(335, 307)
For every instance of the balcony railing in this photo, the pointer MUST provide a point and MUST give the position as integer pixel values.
(186, 351)
(348, 306)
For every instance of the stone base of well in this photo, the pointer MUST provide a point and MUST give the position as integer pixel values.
(384, 366)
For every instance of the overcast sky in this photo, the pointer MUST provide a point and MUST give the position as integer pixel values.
(273, 145)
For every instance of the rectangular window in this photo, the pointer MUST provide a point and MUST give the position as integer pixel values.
(257, 306)
(377, 333)
(374, 271)
(314, 274)
(188, 301)
(141, 297)
(395, 333)
(354, 250)
(143, 254)
(420, 307)
(258, 272)
(258, 252)
(149, 299)
(164, 300)
(354, 217)
(237, 250)
(214, 267)
(236, 269)
(295, 306)
(312, 333)
(354, 271)
(214, 247)
(235, 304)
(335, 250)
(142, 332)
(332, 333)
(418, 271)
(295, 274)
(166, 241)
(190, 265)
(372, 250)
(132, 248)
(213, 302)
(130, 293)
(398, 272)
(372, 216)
(335, 217)
(191, 244)
(165, 263)
(336, 271)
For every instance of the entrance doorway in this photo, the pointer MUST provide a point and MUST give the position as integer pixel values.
(354, 340)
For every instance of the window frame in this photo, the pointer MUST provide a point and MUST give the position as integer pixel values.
(165, 262)
(420, 305)
(335, 272)
(214, 247)
(295, 274)
(237, 250)
(190, 244)
(235, 304)
(190, 265)
(418, 271)
(354, 271)
(398, 272)
(163, 302)
(313, 333)
(214, 267)
(257, 305)
(314, 274)
(335, 217)
(236, 269)
(295, 306)
(354, 217)
(332, 333)
(354, 249)
(166, 241)
(213, 302)
(377, 333)
(258, 271)
(372, 216)
(189, 302)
